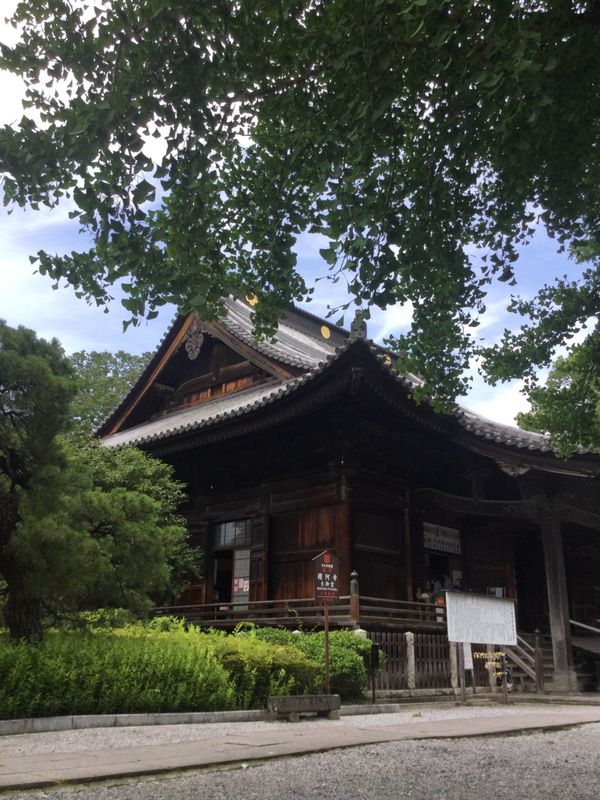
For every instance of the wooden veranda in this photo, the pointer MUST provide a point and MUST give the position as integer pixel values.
(371, 613)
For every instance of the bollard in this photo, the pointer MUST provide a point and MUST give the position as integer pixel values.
(411, 677)
(354, 599)
(453, 665)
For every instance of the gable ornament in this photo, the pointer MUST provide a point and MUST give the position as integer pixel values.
(194, 340)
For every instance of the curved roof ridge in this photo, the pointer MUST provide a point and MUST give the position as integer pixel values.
(310, 343)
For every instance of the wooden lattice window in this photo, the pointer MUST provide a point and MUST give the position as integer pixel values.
(233, 534)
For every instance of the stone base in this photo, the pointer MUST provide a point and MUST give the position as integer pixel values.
(563, 682)
(292, 706)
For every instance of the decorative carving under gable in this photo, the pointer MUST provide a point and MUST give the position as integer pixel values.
(514, 470)
(358, 327)
(194, 340)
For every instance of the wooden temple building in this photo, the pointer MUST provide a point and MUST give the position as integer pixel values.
(311, 442)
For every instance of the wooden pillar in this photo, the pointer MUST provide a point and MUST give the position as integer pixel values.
(410, 595)
(343, 543)
(564, 679)
(258, 558)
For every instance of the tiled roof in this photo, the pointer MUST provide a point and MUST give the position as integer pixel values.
(502, 434)
(201, 415)
(300, 343)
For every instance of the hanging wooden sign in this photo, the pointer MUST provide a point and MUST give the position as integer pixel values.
(326, 576)
(326, 589)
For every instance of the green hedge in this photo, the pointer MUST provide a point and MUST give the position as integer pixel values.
(259, 669)
(348, 655)
(142, 670)
(166, 666)
(102, 673)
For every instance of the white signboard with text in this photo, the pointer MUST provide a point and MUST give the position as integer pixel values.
(477, 618)
(441, 538)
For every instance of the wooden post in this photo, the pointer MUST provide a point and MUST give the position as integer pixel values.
(407, 548)
(326, 636)
(453, 665)
(342, 536)
(564, 679)
(461, 673)
(411, 678)
(539, 663)
(490, 649)
(504, 679)
(354, 599)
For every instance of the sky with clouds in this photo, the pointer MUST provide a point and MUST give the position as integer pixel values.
(29, 299)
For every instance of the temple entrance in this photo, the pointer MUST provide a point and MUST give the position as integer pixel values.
(222, 581)
(443, 559)
(231, 582)
(445, 569)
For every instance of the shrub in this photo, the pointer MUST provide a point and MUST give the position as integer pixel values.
(100, 619)
(348, 655)
(167, 665)
(97, 673)
(167, 623)
(274, 635)
(259, 669)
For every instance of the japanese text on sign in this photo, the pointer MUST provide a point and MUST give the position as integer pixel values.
(477, 618)
(438, 537)
(326, 576)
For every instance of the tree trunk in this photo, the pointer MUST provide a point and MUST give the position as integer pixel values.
(22, 612)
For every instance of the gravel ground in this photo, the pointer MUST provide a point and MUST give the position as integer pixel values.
(559, 764)
(107, 738)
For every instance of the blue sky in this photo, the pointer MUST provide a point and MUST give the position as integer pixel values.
(29, 299)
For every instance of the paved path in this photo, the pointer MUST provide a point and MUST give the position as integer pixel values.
(36, 771)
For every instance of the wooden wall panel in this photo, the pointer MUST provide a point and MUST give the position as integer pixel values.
(377, 553)
(291, 579)
(258, 558)
(382, 531)
(198, 538)
(380, 576)
(295, 538)
(304, 497)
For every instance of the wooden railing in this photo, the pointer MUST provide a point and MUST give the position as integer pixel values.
(590, 628)
(382, 613)
(372, 612)
(297, 612)
(523, 655)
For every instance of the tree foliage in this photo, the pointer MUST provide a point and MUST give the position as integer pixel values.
(410, 135)
(114, 538)
(103, 380)
(568, 406)
(35, 387)
(81, 526)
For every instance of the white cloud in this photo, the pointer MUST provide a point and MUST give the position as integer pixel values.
(393, 320)
(500, 403)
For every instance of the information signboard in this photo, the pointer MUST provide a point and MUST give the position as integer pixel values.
(477, 618)
(439, 537)
(326, 576)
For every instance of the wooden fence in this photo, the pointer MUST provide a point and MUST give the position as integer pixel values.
(432, 661)
(412, 635)
(393, 675)
(422, 661)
